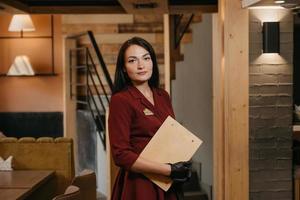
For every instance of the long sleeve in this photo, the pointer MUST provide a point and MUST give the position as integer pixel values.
(119, 121)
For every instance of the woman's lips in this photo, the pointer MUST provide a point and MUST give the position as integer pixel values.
(141, 73)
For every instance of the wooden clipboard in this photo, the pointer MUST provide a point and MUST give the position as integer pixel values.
(171, 143)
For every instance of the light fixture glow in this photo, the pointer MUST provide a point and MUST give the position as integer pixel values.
(279, 1)
(266, 7)
(21, 22)
(21, 65)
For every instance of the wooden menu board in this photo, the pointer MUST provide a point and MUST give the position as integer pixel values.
(171, 143)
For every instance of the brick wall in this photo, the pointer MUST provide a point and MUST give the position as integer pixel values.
(270, 109)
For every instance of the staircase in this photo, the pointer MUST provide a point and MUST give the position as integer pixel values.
(86, 86)
(193, 189)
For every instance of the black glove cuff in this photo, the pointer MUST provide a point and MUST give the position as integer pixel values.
(180, 171)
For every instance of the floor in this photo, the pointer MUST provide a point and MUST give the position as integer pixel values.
(100, 196)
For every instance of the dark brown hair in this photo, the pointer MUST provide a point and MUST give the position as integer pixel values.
(121, 78)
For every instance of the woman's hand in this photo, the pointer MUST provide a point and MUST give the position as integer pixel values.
(181, 171)
(142, 165)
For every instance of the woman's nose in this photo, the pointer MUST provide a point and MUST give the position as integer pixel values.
(140, 64)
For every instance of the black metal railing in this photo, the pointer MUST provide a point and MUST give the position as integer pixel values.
(88, 79)
(180, 27)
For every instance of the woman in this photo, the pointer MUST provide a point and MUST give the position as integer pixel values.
(137, 109)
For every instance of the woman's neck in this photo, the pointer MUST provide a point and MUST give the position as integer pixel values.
(144, 89)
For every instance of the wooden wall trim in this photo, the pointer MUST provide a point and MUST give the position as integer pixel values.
(167, 55)
(218, 109)
(230, 103)
(13, 6)
(236, 95)
(193, 9)
(70, 129)
(77, 10)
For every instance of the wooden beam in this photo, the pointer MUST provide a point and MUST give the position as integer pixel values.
(131, 6)
(14, 7)
(236, 65)
(112, 169)
(77, 10)
(230, 103)
(218, 108)
(167, 53)
(193, 9)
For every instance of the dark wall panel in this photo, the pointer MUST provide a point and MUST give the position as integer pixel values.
(32, 124)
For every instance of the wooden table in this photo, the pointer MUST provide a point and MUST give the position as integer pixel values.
(6, 193)
(19, 184)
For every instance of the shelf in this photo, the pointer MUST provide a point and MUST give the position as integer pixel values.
(41, 74)
(296, 128)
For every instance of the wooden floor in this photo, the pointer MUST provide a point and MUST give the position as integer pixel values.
(100, 196)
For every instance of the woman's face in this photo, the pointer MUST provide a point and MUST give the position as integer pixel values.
(138, 64)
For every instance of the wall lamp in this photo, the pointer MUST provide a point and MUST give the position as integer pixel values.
(21, 65)
(21, 23)
(271, 37)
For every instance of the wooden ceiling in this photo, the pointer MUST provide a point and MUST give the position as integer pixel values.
(109, 6)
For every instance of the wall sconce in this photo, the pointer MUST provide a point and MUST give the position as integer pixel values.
(20, 23)
(271, 37)
(21, 65)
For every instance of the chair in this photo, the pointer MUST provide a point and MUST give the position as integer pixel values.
(86, 181)
(72, 193)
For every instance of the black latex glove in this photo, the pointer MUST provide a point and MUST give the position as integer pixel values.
(181, 171)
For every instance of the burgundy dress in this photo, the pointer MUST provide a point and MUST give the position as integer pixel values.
(132, 122)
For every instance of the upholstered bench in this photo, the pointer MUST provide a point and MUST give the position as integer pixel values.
(42, 154)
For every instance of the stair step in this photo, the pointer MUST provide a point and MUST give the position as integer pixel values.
(112, 58)
(79, 66)
(139, 18)
(113, 48)
(78, 49)
(78, 84)
(102, 113)
(141, 28)
(96, 28)
(117, 38)
(82, 92)
(197, 195)
(87, 109)
(146, 27)
(97, 19)
(192, 184)
(81, 102)
(197, 18)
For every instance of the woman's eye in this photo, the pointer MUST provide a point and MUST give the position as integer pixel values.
(131, 61)
(147, 58)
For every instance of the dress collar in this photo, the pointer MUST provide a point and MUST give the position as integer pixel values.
(138, 95)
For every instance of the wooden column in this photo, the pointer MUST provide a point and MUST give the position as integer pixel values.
(167, 55)
(69, 103)
(230, 101)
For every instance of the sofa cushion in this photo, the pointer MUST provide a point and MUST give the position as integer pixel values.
(42, 154)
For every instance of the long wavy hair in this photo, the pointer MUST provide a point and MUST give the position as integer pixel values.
(121, 77)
